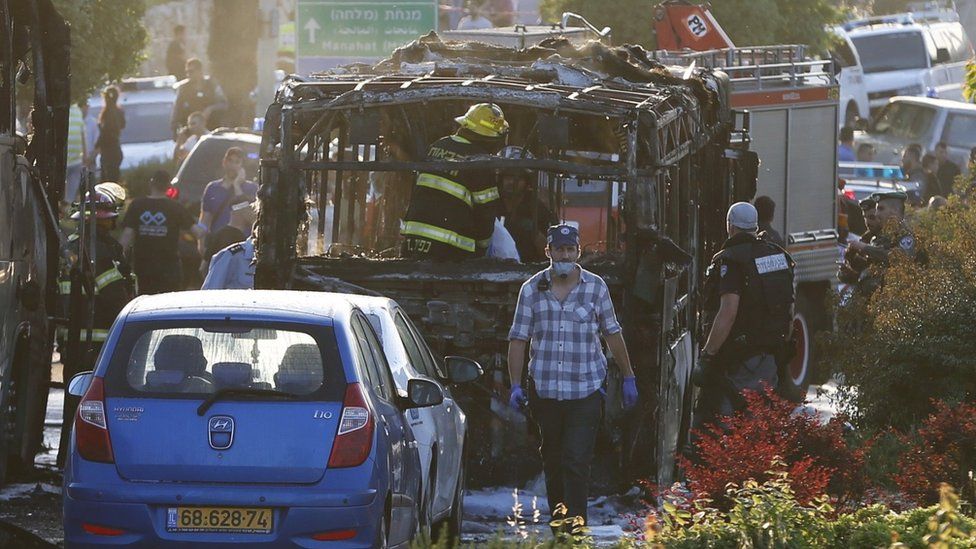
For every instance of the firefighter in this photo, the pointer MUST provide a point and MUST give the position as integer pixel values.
(106, 288)
(749, 297)
(452, 213)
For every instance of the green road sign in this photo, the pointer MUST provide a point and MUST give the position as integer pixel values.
(370, 29)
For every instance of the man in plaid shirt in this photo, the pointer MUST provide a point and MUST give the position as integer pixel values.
(563, 311)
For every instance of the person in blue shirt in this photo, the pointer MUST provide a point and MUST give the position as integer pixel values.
(845, 150)
(220, 195)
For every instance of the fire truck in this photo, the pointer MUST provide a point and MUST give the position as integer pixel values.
(660, 147)
(792, 101)
(34, 49)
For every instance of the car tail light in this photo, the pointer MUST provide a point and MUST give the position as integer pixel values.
(335, 535)
(173, 193)
(849, 194)
(99, 530)
(354, 439)
(91, 429)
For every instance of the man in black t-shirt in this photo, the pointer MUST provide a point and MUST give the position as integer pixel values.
(150, 236)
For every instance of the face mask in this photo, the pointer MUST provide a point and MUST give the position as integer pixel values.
(563, 268)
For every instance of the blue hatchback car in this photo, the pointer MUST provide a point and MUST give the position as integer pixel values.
(254, 418)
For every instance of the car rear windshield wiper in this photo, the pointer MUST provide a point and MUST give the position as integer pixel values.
(241, 391)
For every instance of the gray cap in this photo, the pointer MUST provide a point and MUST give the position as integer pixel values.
(743, 215)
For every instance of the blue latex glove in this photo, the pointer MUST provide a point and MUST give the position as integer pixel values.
(517, 398)
(630, 392)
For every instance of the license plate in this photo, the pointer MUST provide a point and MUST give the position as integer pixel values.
(240, 520)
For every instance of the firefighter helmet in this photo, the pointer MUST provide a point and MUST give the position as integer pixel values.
(115, 191)
(104, 204)
(485, 119)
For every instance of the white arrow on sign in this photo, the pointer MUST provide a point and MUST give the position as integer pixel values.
(311, 27)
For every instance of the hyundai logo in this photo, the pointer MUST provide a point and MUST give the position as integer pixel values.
(221, 432)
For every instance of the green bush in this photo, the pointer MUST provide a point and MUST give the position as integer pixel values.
(767, 515)
(912, 342)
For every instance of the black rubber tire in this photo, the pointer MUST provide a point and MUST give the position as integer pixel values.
(382, 536)
(425, 526)
(450, 527)
(809, 318)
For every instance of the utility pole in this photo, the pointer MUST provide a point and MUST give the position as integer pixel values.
(267, 55)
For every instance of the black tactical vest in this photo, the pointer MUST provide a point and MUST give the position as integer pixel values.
(765, 304)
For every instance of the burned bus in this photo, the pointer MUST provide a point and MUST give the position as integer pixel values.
(645, 158)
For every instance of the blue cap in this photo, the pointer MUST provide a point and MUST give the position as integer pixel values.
(562, 235)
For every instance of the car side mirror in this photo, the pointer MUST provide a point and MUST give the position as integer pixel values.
(79, 384)
(462, 370)
(942, 55)
(422, 393)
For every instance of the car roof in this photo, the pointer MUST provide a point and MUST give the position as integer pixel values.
(894, 27)
(933, 102)
(277, 305)
(367, 303)
(233, 135)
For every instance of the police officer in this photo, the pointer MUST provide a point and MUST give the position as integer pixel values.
(452, 213)
(107, 288)
(855, 262)
(232, 268)
(749, 296)
(893, 234)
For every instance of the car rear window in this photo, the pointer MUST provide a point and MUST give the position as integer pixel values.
(960, 131)
(181, 360)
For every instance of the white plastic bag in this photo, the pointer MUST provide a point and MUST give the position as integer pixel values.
(502, 244)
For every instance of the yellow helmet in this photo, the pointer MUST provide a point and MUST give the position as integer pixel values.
(485, 119)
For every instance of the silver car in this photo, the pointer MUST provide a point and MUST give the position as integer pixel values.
(439, 430)
(907, 120)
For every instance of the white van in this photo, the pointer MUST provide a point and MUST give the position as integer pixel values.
(920, 53)
(853, 101)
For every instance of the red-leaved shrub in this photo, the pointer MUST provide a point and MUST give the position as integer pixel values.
(817, 457)
(942, 450)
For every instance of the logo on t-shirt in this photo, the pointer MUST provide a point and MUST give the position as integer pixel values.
(153, 224)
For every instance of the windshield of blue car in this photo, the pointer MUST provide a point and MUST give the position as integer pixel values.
(144, 122)
(180, 359)
(891, 52)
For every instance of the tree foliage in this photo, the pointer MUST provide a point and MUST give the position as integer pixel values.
(747, 22)
(632, 21)
(762, 22)
(107, 41)
(233, 51)
(912, 341)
